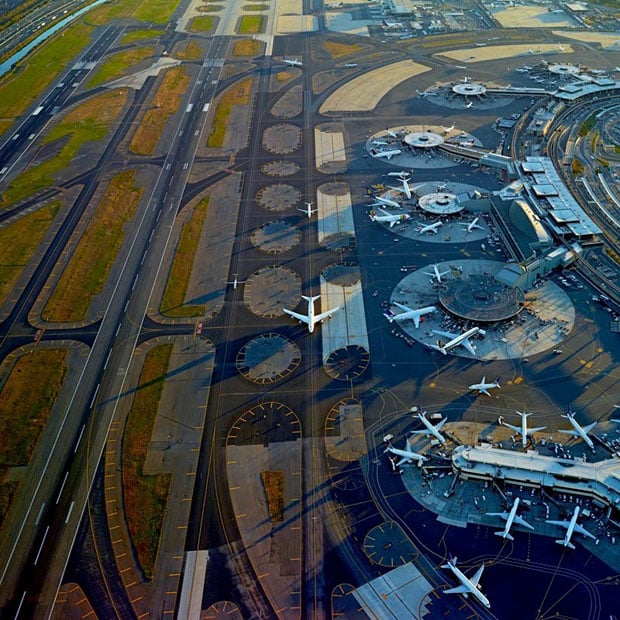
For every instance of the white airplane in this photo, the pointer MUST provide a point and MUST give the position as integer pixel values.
(447, 129)
(510, 518)
(437, 275)
(468, 586)
(388, 24)
(350, 65)
(483, 387)
(471, 225)
(431, 429)
(379, 142)
(408, 314)
(523, 430)
(293, 62)
(385, 202)
(429, 228)
(236, 282)
(407, 455)
(469, 104)
(311, 319)
(578, 430)
(401, 174)
(571, 527)
(457, 340)
(334, 5)
(392, 218)
(308, 210)
(405, 188)
(393, 134)
(442, 187)
(387, 154)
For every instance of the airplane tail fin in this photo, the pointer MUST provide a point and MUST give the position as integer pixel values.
(310, 299)
(497, 382)
(562, 542)
(504, 535)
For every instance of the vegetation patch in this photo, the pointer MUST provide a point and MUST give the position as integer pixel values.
(246, 47)
(19, 242)
(88, 122)
(284, 76)
(210, 9)
(120, 64)
(173, 300)
(20, 90)
(586, 127)
(26, 401)
(165, 103)
(251, 24)
(338, 50)
(256, 7)
(87, 270)
(145, 496)
(192, 51)
(202, 24)
(135, 36)
(273, 483)
(156, 11)
(577, 167)
(239, 94)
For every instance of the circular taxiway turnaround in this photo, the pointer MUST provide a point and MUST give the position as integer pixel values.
(282, 139)
(270, 289)
(280, 168)
(276, 237)
(278, 197)
(345, 439)
(347, 363)
(222, 610)
(342, 274)
(268, 358)
(387, 545)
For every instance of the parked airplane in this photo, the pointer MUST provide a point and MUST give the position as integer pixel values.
(578, 430)
(510, 518)
(308, 210)
(408, 314)
(469, 104)
(350, 65)
(471, 225)
(571, 527)
(431, 429)
(379, 142)
(401, 174)
(387, 154)
(468, 586)
(405, 187)
(388, 24)
(437, 275)
(311, 319)
(407, 455)
(447, 129)
(483, 387)
(392, 218)
(386, 202)
(236, 282)
(442, 187)
(293, 62)
(429, 228)
(523, 430)
(334, 5)
(457, 340)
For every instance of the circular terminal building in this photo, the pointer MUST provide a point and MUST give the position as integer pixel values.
(480, 297)
(564, 70)
(422, 140)
(440, 204)
(469, 89)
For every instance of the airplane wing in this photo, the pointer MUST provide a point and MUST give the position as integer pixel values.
(326, 315)
(523, 522)
(300, 317)
(516, 429)
(438, 426)
(582, 530)
(565, 524)
(448, 335)
(468, 345)
(569, 432)
(457, 590)
(588, 428)
(536, 429)
(476, 578)
(402, 306)
(503, 515)
(481, 390)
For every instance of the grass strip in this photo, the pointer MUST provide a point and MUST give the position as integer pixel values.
(165, 103)
(273, 483)
(89, 122)
(246, 47)
(21, 89)
(204, 23)
(88, 268)
(192, 51)
(136, 36)
(151, 11)
(239, 94)
(145, 496)
(26, 401)
(120, 64)
(172, 303)
(19, 242)
(338, 50)
(251, 24)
